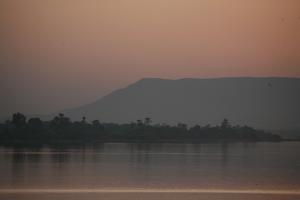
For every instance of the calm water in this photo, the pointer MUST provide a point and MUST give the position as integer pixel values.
(152, 171)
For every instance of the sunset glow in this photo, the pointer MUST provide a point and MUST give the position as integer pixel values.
(64, 53)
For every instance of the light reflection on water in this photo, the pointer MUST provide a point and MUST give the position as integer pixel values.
(141, 196)
(213, 166)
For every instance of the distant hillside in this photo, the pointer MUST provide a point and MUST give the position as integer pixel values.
(269, 103)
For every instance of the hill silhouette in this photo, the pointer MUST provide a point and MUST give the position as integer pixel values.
(265, 103)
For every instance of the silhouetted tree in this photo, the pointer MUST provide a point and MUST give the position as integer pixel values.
(182, 126)
(83, 120)
(147, 121)
(225, 124)
(60, 121)
(139, 122)
(96, 123)
(35, 122)
(19, 120)
(62, 128)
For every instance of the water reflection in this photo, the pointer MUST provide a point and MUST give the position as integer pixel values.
(215, 165)
(18, 168)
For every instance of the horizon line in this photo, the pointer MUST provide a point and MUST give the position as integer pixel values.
(153, 190)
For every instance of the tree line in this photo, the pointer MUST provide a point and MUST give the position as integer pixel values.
(61, 128)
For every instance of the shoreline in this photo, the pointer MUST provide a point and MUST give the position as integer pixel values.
(72, 143)
(148, 191)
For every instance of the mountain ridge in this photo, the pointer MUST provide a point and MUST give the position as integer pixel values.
(201, 101)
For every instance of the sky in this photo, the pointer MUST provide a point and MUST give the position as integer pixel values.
(58, 54)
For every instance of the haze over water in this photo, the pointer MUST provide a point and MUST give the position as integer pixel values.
(149, 171)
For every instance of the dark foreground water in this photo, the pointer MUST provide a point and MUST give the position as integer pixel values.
(152, 171)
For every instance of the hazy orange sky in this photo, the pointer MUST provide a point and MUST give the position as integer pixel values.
(57, 54)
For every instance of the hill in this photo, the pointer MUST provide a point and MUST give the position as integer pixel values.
(267, 103)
